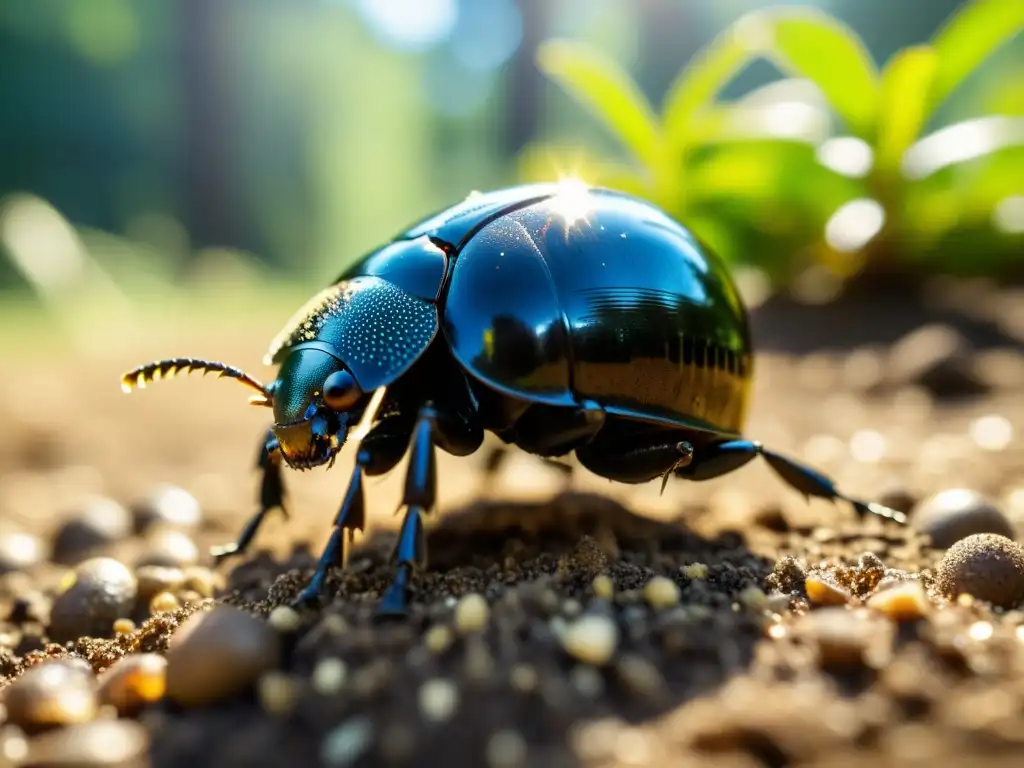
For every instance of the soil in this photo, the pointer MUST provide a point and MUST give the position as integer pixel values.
(738, 668)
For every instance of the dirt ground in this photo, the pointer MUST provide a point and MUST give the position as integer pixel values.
(762, 654)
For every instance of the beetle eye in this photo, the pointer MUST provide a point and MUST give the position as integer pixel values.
(341, 391)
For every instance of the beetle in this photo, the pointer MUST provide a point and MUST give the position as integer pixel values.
(560, 317)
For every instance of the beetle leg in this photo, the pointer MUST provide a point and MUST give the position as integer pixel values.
(271, 497)
(721, 458)
(636, 461)
(420, 494)
(351, 517)
(378, 452)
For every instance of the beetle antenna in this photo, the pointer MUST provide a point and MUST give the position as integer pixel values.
(166, 369)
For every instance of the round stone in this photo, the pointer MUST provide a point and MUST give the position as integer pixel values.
(955, 513)
(96, 523)
(167, 505)
(50, 695)
(219, 653)
(986, 566)
(100, 591)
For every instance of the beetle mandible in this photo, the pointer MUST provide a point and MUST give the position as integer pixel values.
(560, 317)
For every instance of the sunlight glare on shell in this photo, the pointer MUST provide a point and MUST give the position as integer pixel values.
(572, 201)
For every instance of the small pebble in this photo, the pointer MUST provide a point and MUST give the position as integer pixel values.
(506, 749)
(822, 592)
(592, 639)
(695, 571)
(986, 566)
(471, 613)
(346, 743)
(100, 591)
(329, 676)
(523, 678)
(641, 677)
(438, 638)
(133, 682)
(906, 601)
(753, 599)
(124, 627)
(19, 550)
(168, 547)
(661, 593)
(603, 587)
(284, 619)
(51, 694)
(100, 744)
(955, 513)
(154, 579)
(278, 693)
(167, 505)
(164, 602)
(438, 699)
(202, 580)
(218, 653)
(100, 521)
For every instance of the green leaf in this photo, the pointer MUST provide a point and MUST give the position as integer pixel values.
(696, 85)
(906, 87)
(969, 37)
(962, 142)
(812, 44)
(608, 92)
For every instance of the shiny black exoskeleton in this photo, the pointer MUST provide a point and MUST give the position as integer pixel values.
(559, 317)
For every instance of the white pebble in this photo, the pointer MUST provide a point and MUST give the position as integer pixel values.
(471, 613)
(329, 676)
(284, 619)
(661, 593)
(592, 639)
(438, 699)
(603, 587)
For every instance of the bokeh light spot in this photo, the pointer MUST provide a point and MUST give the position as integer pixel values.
(854, 224)
(991, 432)
(846, 155)
(487, 34)
(413, 25)
(1008, 215)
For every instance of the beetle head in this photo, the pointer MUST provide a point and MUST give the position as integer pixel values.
(316, 401)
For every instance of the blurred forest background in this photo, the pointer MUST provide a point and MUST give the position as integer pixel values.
(180, 146)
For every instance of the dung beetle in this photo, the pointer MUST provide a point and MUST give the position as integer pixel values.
(562, 318)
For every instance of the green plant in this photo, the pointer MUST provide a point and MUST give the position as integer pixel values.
(769, 180)
(930, 195)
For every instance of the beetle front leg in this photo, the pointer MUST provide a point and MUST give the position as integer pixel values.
(721, 458)
(271, 497)
(377, 453)
(418, 498)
